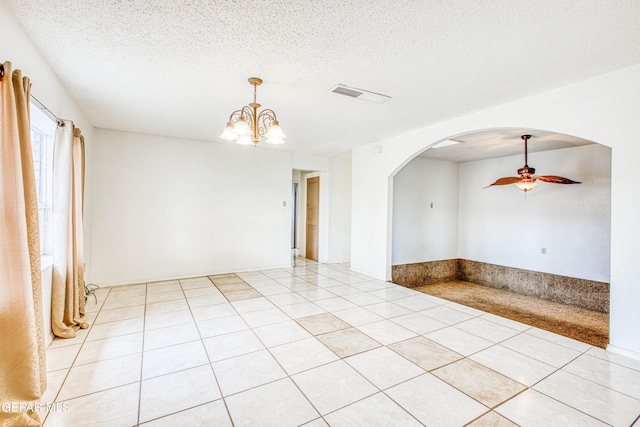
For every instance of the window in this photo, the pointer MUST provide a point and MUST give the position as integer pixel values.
(42, 135)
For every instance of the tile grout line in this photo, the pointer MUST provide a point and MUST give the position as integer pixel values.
(578, 376)
(201, 340)
(66, 376)
(288, 376)
(215, 377)
(144, 324)
(557, 369)
(340, 358)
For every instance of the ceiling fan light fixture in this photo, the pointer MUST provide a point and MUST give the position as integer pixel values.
(526, 185)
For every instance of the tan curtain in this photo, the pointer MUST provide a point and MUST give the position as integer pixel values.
(22, 350)
(67, 295)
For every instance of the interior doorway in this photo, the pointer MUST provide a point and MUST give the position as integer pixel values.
(294, 221)
(312, 220)
(562, 233)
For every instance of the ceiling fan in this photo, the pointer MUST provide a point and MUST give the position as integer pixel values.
(527, 178)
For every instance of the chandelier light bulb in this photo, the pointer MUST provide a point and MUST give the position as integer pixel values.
(229, 133)
(242, 128)
(275, 132)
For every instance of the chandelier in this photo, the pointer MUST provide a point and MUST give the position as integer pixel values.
(246, 126)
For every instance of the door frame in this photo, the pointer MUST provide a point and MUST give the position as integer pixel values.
(315, 249)
(323, 225)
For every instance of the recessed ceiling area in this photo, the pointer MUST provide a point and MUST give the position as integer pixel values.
(495, 143)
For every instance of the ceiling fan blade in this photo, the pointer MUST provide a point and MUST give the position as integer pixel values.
(556, 179)
(506, 180)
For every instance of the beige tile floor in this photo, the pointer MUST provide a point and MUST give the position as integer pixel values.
(319, 345)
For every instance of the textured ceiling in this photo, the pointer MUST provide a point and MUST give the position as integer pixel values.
(178, 68)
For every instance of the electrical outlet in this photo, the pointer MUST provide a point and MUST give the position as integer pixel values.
(544, 251)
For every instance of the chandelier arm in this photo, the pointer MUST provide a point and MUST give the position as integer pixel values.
(248, 114)
(265, 120)
(235, 116)
(245, 113)
(268, 112)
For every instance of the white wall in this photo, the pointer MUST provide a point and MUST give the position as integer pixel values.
(604, 109)
(17, 48)
(425, 211)
(499, 225)
(339, 236)
(371, 210)
(168, 208)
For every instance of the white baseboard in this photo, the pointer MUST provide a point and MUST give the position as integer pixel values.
(623, 352)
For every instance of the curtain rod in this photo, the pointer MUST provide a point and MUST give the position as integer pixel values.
(48, 112)
(39, 104)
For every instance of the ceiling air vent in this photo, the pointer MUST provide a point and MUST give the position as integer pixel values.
(360, 94)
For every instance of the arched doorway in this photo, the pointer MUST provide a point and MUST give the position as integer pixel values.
(553, 244)
(602, 109)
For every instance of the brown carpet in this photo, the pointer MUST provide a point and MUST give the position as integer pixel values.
(583, 325)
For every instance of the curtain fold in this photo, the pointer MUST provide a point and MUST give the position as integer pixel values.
(67, 295)
(22, 348)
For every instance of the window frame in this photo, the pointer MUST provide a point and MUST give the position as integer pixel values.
(43, 130)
